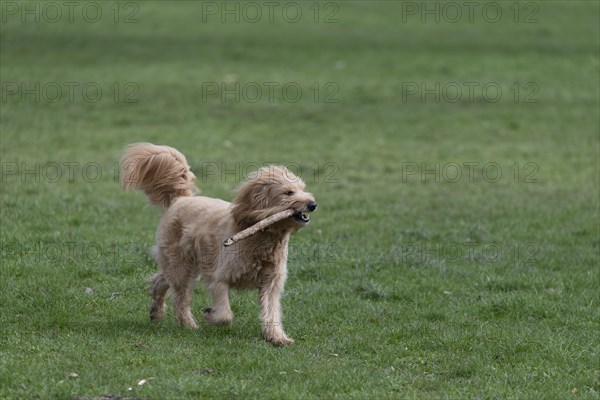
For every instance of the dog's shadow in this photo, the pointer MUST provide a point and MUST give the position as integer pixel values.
(141, 329)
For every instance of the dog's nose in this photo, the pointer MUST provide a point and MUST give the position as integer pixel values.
(312, 206)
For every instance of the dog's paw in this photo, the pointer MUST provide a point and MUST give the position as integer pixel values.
(214, 318)
(189, 323)
(157, 311)
(281, 341)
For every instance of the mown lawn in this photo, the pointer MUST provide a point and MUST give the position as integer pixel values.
(455, 252)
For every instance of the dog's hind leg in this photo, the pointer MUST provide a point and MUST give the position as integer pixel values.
(220, 313)
(158, 291)
(183, 284)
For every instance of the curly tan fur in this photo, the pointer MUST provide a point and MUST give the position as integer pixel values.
(160, 171)
(192, 229)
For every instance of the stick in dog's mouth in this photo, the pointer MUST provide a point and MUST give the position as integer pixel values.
(299, 217)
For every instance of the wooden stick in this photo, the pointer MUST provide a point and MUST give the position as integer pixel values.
(259, 226)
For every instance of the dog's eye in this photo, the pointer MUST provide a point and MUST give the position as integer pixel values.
(289, 192)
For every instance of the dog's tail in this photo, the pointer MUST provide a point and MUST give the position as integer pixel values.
(160, 171)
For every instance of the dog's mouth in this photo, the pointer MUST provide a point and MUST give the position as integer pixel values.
(301, 218)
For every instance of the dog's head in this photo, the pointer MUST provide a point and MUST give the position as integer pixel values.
(268, 191)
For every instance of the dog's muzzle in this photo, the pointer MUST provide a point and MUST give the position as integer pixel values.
(303, 218)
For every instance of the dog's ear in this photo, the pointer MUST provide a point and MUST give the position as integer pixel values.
(260, 196)
(250, 199)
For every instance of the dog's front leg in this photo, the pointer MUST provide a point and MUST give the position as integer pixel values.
(269, 292)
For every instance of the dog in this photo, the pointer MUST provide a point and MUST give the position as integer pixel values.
(192, 228)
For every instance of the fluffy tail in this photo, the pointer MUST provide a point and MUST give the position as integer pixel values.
(160, 171)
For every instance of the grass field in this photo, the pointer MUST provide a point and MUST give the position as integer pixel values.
(455, 252)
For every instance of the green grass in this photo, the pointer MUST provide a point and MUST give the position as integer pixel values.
(403, 285)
